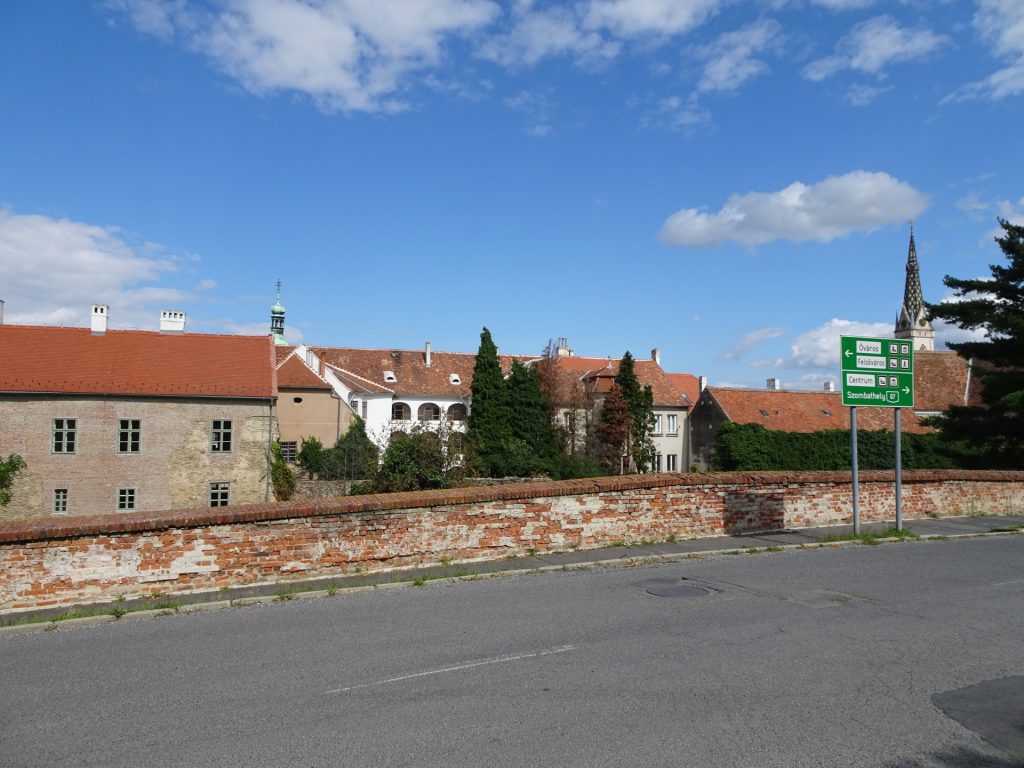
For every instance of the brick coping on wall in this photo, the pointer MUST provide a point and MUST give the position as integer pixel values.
(23, 531)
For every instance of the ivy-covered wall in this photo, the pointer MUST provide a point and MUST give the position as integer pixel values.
(752, 447)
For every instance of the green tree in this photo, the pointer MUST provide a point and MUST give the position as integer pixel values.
(994, 432)
(640, 401)
(530, 421)
(413, 461)
(488, 427)
(311, 457)
(353, 456)
(9, 467)
(281, 477)
(613, 431)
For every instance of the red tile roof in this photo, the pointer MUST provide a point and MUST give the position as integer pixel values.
(686, 383)
(364, 369)
(941, 380)
(295, 374)
(598, 372)
(44, 359)
(793, 411)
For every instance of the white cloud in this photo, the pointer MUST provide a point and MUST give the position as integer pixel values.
(837, 206)
(54, 269)
(349, 55)
(225, 325)
(206, 285)
(536, 107)
(676, 113)
(843, 5)
(819, 347)
(730, 60)
(633, 18)
(874, 44)
(1001, 24)
(860, 95)
(553, 32)
(750, 341)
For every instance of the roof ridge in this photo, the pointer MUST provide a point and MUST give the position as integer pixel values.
(357, 376)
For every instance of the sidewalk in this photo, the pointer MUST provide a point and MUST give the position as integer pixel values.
(612, 555)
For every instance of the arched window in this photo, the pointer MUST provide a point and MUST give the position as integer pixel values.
(429, 412)
(400, 412)
(457, 412)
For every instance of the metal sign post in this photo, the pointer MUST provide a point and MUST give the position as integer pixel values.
(878, 372)
(853, 470)
(899, 473)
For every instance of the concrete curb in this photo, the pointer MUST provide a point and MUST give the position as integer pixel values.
(286, 594)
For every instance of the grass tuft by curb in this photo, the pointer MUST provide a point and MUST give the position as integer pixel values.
(871, 537)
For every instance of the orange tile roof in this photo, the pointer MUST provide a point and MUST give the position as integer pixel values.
(941, 380)
(46, 359)
(364, 369)
(794, 411)
(686, 383)
(598, 373)
(295, 374)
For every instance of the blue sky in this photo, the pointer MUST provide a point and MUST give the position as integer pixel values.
(728, 181)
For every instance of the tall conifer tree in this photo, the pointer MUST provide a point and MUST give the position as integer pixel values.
(640, 401)
(530, 419)
(613, 431)
(995, 431)
(488, 427)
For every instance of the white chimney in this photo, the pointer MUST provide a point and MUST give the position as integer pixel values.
(774, 385)
(656, 355)
(98, 321)
(562, 347)
(703, 381)
(172, 321)
(427, 354)
(830, 386)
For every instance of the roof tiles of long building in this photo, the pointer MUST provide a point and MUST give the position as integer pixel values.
(599, 371)
(295, 374)
(686, 383)
(795, 411)
(56, 360)
(941, 380)
(405, 372)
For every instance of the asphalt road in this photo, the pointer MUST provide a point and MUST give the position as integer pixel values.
(896, 655)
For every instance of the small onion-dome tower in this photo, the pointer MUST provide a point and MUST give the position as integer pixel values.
(277, 319)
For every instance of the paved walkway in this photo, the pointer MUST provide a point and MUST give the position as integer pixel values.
(951, 526)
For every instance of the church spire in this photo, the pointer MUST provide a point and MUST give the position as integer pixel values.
(277, 319)
(913, 322)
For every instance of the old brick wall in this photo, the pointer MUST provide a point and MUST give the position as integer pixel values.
(172, 469)
(63, 561)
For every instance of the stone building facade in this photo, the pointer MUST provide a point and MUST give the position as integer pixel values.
(123, 421)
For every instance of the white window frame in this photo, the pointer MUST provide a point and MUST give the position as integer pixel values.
(670, 462)
(220, 494)
(222, 437)
(126, 433)
(672, 424)
(656, 428)
(64, 436)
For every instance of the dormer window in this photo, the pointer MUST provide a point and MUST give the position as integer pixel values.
(764, 412)
(454, 378)
(389, 376)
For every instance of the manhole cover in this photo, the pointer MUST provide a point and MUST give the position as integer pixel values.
(677, 590)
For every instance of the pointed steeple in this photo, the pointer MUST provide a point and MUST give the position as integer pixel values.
(913, 321)
(277, 319)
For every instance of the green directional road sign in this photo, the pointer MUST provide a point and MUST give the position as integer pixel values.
(877, 372)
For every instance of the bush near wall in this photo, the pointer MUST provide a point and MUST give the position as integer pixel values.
(752, 447)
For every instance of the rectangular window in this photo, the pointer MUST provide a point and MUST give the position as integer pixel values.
(220, 439)
(670, 462)
(65, 432)
(125, 499)
(290, 451)
(364, 410)
(656, 466)
(657, 424)
(128, 433)
(673, 424)
(60, 501)
(220, 494)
